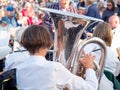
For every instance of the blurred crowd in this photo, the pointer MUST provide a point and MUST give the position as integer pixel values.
(26, 12)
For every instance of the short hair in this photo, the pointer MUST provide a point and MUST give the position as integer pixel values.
(36, 37)
(90, 1)
(114, 18)
(101, 6)
(104, 31)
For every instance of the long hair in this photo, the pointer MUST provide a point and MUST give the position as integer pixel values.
(104, 31)
(113, 4)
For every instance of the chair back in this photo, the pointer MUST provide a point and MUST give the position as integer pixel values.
(8, 80)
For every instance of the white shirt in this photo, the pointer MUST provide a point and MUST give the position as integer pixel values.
(4, 38)
(38, 74)
(4, 51)
(5, 33)
(112, 63)
(105, 84)
(116, 38)
(15, 59)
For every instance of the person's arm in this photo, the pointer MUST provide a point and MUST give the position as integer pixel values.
(73, 82)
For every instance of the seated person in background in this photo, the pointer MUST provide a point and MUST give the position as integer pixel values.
(101, 8)
(5, 24)
(40, 18)
(115, 25)
(112, 64)
(110, 10)
(81, 10)
(104, 31)
(10, 14)
(22, 20)
(71, 8)
(19, 54)
(5, 34)
(48, 75)
(28, 12)
(92, 11)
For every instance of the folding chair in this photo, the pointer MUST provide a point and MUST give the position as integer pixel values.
(8, 80)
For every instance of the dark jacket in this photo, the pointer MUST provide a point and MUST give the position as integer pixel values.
(92, 12)
(108, 13)
(118, 7)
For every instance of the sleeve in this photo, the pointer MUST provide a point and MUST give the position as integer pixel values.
(90, 13)
(105, 84)
(66, 79)
(112, 62)
(4, 51)
(9, 62)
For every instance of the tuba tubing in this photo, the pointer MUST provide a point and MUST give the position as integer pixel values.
(74, 65)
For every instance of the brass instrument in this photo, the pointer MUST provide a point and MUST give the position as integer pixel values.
(68, 47)
(77, 68)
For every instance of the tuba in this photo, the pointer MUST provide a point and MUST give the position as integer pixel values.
(69, 42)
